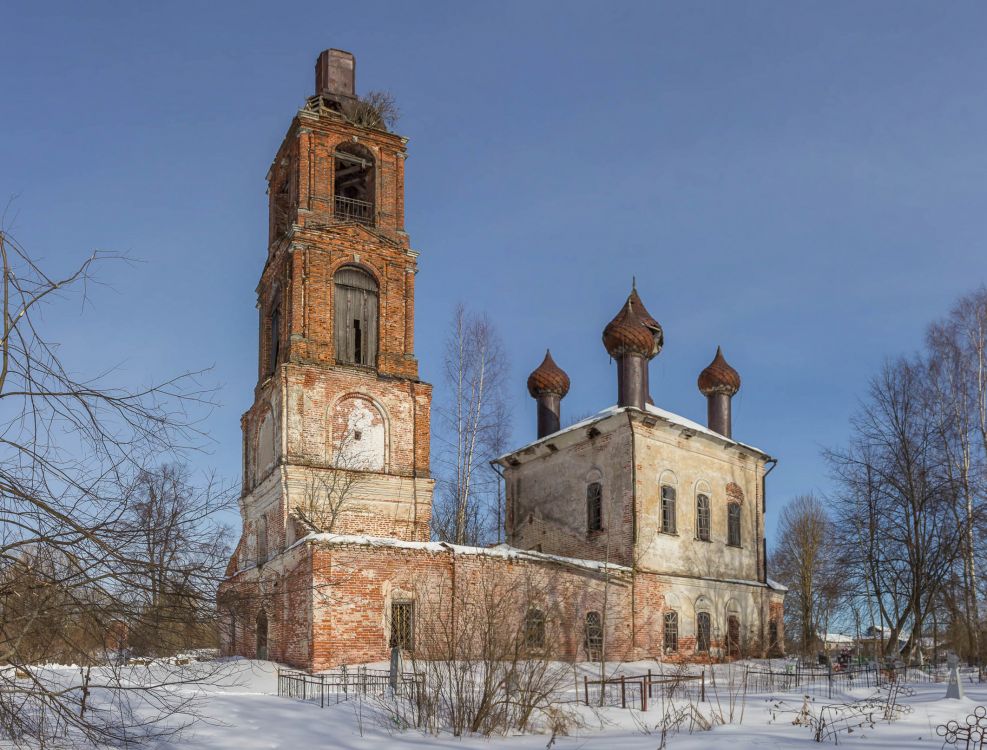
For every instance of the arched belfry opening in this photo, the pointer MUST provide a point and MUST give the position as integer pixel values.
(355, 186)
(355, 311)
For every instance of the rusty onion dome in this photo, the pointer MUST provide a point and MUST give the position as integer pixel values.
(719, 377)
(548, 377)
(633, 330)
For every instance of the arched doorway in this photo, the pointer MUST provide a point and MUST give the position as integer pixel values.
(262, 635)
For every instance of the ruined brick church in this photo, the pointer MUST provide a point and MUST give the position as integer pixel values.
(633, 534)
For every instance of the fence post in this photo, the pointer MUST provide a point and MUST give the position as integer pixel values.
(644, 694)
(649, 682)
(586, 689)
(322, 691)
(623, 693)
(702, 688)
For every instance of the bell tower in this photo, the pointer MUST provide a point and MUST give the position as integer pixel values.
(337, 439)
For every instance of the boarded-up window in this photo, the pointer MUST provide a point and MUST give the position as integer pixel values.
(402, 624)
(671, 631)
(534, 629)
(355, 325)
(702, 631)
(594, 635)
(702, 518)
(594, 506)
(733, 524)
(668, 509)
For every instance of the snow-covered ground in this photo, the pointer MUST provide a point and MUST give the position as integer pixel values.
(247, 714)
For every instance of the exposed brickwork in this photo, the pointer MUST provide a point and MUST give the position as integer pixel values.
(329, 601)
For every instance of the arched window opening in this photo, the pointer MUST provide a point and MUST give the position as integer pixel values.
(594, 506)
(354, 189)
(355, 324)
(702, 518)
(402, 624)
(261, 532)
(668, 509)
(733, 524)
(534, 629)
(733, 636)
(671, 635)
(594, 636)
(703, 630)
(262, 635)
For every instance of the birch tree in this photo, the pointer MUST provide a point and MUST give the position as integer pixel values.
(472, 425)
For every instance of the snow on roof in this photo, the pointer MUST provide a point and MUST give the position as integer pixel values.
(501, 550)
(661, 413)
(776, 586)
(835, 637)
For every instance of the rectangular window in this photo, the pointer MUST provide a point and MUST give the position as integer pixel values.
(671, 632)
(402, 625)
(733, 524)
(668, 510)
(702, 632)
(261, 531)
(594, 507)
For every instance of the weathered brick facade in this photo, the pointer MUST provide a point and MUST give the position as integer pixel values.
(337, 494)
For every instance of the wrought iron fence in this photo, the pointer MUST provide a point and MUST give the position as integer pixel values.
(345, 684)
(351, 209)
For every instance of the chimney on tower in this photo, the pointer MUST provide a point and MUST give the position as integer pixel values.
(335, 75)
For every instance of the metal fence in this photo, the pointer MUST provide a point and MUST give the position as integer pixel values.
(824, 682)
(636, 691)
(345, 684)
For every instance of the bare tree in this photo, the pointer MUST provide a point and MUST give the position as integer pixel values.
(896, 501)
(75, 457)
(172, 525)
(328, 494)
(471, 429)
(808, 560)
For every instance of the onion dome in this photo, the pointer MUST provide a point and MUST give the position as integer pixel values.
(633, 330)
(719, 377)
(548, 377)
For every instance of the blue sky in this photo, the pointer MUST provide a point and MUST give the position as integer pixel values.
(801, 183)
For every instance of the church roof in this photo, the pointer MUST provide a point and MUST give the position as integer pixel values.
(666, 416)
(719, 377)
(548, 377)
(633, 330)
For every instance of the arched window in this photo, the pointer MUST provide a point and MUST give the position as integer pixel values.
(261, 531)
(702, 518)
(594, 635)
(262, 635)
(703, 631)
(671, 634)
(594, 506)
(668, 509)
(534, 629)
(355, 325)
(354, 188)
(733, 524)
